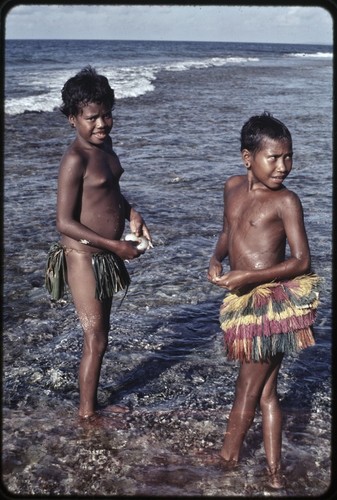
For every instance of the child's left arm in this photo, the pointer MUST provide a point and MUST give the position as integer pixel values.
(137, 223)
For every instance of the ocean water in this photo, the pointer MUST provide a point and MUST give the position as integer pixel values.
(180, 107)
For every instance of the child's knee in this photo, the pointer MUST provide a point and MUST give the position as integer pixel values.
(94, 323)
(96, 342)
(268, 399)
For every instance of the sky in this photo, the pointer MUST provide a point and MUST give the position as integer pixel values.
(271, 24)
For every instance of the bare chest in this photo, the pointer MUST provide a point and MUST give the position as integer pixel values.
(102, 174)
(257, 212)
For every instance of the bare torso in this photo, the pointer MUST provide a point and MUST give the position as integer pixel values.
(256, 235)
(99, 203)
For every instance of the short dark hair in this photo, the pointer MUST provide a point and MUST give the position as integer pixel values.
(258, 127)
(85, 87)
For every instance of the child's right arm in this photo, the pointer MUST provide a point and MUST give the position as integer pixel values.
(220, 252)
(221, 247)
(70, 181)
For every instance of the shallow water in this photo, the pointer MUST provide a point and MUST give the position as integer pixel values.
(165, 360)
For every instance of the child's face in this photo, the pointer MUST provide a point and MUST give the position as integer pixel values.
(271, 164)
(93, 123)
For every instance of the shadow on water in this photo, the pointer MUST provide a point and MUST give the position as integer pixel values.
(154, 452)
(192, 332)
(306, 409)
(192, 346)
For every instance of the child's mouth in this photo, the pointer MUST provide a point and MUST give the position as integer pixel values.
(100, 135)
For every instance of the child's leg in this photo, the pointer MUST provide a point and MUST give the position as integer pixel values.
(94, 316)
(272, 417)
(249, 386)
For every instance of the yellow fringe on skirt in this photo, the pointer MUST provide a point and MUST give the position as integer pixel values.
(273, 317)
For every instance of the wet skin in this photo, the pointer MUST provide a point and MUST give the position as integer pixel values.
(260, 215)
(91, 213)
(90, 204)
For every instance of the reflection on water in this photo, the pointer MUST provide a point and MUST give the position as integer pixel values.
(169, 369)
(150, 452)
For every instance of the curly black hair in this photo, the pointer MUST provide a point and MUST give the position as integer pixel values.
(85, 87)
(259, 127)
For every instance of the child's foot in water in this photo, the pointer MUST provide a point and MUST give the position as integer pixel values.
(212, 457)
(276, 479)
(115, 409)
(98, 416)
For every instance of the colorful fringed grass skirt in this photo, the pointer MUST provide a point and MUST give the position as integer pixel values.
(272, 318)
(110, 273)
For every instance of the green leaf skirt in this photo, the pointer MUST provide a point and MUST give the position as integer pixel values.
(110, 273)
